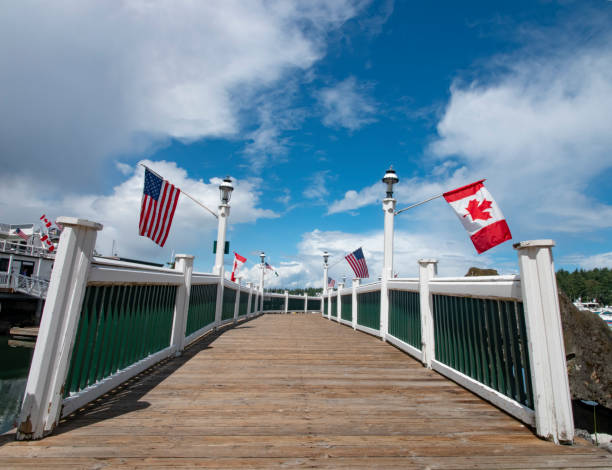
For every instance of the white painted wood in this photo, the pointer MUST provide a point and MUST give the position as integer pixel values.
(219, 303)
(250, 299)
(183, 264)
(370, 331)
(354, 304)
(552, 400)
(286, 301)
(40, 410)
(203, 279)
(427, 271)
(499, 287)
(120, 275)
(411, 285)
(237, 302)
(372, 287)
(388, 207)
(223, 215)
(115, 263)
(305, 302)
(80, 399)
(507, 404)
(414, 352)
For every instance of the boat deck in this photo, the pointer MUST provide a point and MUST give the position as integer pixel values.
(293, 391)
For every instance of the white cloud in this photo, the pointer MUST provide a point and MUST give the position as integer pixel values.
(540, 134)
(347, 105)
(316, 187)
(306, 269)
(82, 82)
(118, 211)
(601, 260)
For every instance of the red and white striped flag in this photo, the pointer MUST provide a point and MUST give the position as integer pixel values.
(480, 215)
(358, 263)
(159, 200)
(238, 262)
(21, 234)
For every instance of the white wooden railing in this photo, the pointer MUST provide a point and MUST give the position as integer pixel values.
(498, 336)
(106, 321)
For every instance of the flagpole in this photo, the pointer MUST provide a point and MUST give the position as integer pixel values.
(183, 192)
(418, 204)
(343, 258)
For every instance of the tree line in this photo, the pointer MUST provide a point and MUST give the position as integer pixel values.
(589, 285)
(311, 291)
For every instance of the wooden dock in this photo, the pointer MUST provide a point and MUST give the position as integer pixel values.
(293, 391)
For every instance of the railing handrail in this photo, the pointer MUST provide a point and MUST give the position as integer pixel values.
(18, 248)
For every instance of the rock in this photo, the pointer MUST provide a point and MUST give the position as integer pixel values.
(481, 272)
(588, 349)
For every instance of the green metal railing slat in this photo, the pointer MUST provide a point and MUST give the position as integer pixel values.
(525, 355)
(521, 394)
(95, 357)
(509, 364)
(469, 336)
(79, 347)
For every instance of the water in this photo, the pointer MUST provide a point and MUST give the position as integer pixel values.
(14, 368)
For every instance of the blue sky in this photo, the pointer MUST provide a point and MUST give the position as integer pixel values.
(305, 105)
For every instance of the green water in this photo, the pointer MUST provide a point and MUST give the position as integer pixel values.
(14, 367)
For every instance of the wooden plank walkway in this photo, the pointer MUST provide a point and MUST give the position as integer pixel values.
(293, 391)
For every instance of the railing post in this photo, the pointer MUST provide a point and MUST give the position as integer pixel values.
(250, 299)
(428, 268)
(237, 302)
(552, 400)
(183, 264)
(354, 306)
(339, 302)
(219, 304)
(40, 411)
(388, 207)
(329, 303)
(305, 302)
(286, 301)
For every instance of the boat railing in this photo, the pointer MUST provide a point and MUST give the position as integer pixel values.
(30, 285)
(20, 249)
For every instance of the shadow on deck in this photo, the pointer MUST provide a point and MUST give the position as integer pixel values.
(293, 391)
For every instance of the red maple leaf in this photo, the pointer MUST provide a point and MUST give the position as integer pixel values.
(478, 211)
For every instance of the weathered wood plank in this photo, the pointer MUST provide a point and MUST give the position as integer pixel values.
(293, 391)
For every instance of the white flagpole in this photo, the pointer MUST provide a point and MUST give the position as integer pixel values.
(183, 192)
(343, 258)
(418, 204)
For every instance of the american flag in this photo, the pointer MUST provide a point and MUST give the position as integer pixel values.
(159, 201)
(331, 282)
(269, 267)
(20, 233)
(358, 263)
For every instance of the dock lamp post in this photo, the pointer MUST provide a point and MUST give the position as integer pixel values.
(388, 207)
(262, 255)
(325, 268)
(225, 190)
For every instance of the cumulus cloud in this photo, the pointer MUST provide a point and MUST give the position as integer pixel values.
(347, 105)
(600, 260)
(118, 211)
(85, 81)
(539, 132)
(306, 268)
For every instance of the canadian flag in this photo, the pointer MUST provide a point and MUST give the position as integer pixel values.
(480, 215)
(238, 261)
